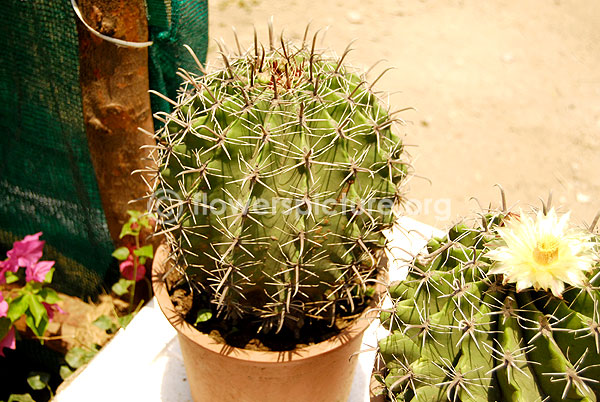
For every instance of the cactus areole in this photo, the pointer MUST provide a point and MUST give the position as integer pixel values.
(508, 311)
(276, 175)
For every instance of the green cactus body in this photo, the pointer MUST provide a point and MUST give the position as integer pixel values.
(397, 345)
(430, 393)
(578, 338)
(515, 376)
(280, 172)
(491, 343)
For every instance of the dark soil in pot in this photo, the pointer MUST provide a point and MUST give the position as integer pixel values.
(245, 333)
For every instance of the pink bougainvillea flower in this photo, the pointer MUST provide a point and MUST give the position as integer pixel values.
(3, 306)
(126, 268)
(37, 272)
(24, 253)
(8, 342)
(52, 309)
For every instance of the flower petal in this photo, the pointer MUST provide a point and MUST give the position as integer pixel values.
(9, 341)
(126, 268)
(37, 272)
(519, 261)
(24, 252)
(3, 306)
(51, 309)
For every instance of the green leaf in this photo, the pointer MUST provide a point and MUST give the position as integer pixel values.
(144, 221)
(5, 325)
(145, 251)
(122, 287)
(77, 357)
(105, 323)
(18, 307)
(65, 371)
(38, 380)
(121, 253)
(10, 277)
(33, 287)
(125, 320)
(40, 328)
(20, 398)
(203, 316)
(49, 276)
(134, 214)
(49, 296)
(37, 309)
(126, 230)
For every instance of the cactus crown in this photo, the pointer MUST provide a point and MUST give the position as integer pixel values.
(460, 334)
(276, 175)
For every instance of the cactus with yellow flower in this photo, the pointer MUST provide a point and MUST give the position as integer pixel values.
(506, 310)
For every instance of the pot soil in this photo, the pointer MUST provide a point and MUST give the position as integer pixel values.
(322, 372)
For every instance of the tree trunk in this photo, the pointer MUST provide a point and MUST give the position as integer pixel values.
(114, 85)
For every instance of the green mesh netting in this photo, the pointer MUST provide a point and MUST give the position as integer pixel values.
(47, 181)
(171, 25)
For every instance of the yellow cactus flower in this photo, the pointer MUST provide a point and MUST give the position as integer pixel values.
(543, 253)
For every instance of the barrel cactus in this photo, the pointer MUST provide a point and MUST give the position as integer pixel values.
(507, 310)
(277, 174)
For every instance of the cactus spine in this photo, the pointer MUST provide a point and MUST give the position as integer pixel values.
(460, 334)
(276, 175)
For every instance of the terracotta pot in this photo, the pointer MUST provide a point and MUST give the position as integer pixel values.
(219, 372)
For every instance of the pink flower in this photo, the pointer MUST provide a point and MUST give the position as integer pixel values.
(24, 253)
(38, 271)
(51, 309)
(9, 341)
(3, 306)
(126, 268)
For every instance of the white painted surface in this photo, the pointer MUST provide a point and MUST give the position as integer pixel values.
(144, 362)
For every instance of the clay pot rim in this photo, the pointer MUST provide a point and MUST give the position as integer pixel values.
(355, 329)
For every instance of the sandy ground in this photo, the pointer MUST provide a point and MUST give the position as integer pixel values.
(505, 92)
